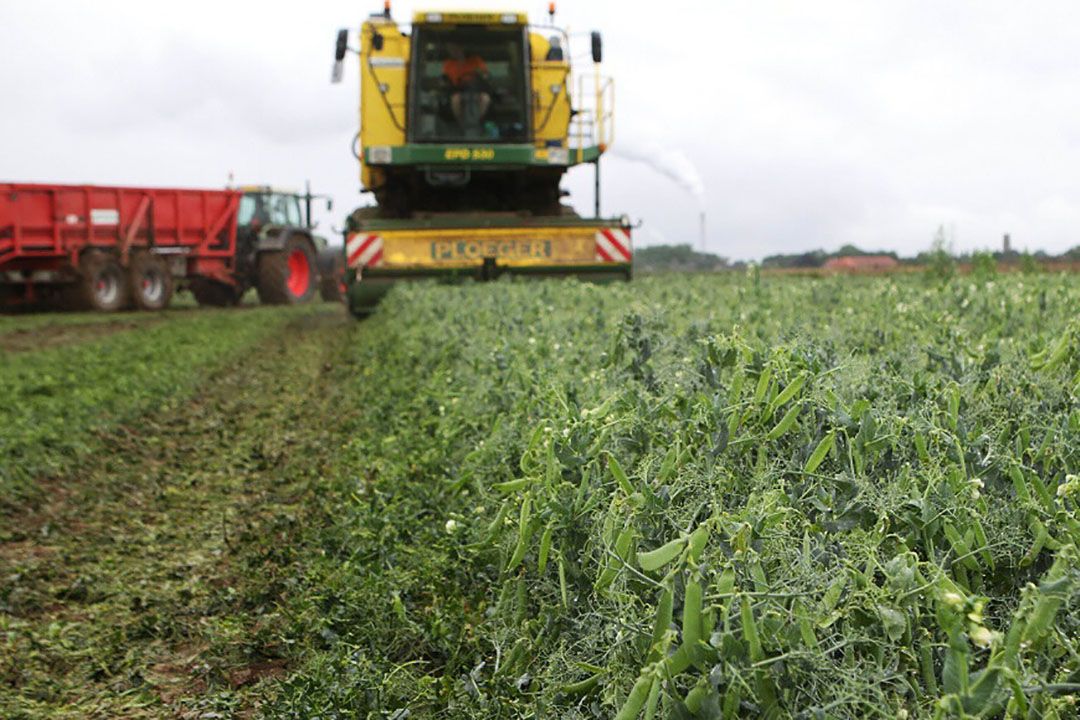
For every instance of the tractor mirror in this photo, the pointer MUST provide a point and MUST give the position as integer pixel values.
(342, 45)
(376, 40)
(597, 47)
(329, 204)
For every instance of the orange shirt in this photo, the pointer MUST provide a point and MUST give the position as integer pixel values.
(462, 71)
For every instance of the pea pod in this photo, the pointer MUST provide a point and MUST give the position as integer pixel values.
(787, 393)
(762, 384)
(620, 475)
(785, 423)
(524, 534)
(511, 485)
(653, 701)
(691, 619)
(614, 564)
(818, 456)
(750, 631)
(655, 559)
(545, 549)
(698, 540)
(662, 623)
(582, 687)
(635, 701)
(1020, 487)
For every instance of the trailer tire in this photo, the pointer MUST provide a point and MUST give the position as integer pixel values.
(288, 276)
(150, 280)
(102, 285)
(211, 293)
(331, 274)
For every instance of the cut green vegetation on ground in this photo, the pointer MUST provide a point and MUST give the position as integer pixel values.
(704, 497)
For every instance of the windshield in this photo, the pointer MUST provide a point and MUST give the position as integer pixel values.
(470, 85)
(270, 209)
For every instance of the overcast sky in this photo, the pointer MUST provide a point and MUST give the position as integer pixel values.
(799, 124)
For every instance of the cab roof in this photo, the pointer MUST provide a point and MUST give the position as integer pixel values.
(442, 17)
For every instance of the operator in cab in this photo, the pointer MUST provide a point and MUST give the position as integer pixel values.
(466, 74)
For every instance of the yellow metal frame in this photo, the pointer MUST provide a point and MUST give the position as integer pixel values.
(511, 247)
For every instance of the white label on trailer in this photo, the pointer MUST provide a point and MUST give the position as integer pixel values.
(102, 216)
(387, 62)
(71, 219)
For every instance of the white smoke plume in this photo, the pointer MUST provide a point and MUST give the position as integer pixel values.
(669, 162)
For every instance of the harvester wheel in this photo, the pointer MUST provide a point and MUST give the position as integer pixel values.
(211, 293)
(151, 281)
(331, 274)
(288, 276)
(102, 284)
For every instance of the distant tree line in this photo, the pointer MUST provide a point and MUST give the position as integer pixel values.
(684, 258)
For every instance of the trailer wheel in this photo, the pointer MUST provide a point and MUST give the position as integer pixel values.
(211, 293)
(331, 274)
(102, 283)
(287, 276)
(151, 281)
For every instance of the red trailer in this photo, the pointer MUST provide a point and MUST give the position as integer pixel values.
(108, 248)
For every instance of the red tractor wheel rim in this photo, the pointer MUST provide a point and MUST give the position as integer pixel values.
(299, 273)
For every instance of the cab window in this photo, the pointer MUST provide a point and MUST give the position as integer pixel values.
(471, 85)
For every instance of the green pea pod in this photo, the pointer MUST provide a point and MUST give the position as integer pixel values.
(926, 663)
(921, 449)
(785, 423)
(960, 547)
(818, 456)
(635, 701)
(762, 384)
(677, 662)
(620, 476)
(667, 467)
(750, 631)
(691, 619)
(653, 701)
(1055, 357)
(564, 590)
(980, 537)
(653, 560)
(613, 564)
(698, 539)
(662, 623)
(524, 534)
(1048, 604)
(545, 549)
(787, 393)
(1020, 486)
(582, 687)
(696, 697)
(511, 485)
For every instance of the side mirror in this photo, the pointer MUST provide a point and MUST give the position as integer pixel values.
(376, 40)
(342, 45)
(329, 204)
(597, 47)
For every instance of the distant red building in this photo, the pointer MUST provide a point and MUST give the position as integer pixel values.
(861, 263)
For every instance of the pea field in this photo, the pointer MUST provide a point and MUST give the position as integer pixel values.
(709, 496)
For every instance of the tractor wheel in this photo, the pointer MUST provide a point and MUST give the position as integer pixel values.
(288, 276)
(211, 293)
(331, 274)
(151, 281)
(102, 285)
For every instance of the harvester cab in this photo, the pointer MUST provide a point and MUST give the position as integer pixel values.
(468, 123)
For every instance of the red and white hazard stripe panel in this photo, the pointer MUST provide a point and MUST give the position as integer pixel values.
(613, 245)
(363, 250)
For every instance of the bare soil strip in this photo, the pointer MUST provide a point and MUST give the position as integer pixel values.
(150, 585)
